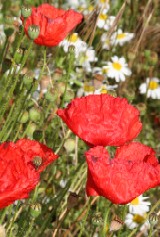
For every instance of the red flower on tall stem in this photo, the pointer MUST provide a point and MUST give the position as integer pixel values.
(102, 120)
(19, 171)
(54, 24)
(134, 170)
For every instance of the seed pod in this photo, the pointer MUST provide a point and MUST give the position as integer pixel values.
(26, 11)
(37, 161)
(35, 209)
(33, 31)
(153, 218)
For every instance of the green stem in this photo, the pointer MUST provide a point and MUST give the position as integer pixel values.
(69, 70)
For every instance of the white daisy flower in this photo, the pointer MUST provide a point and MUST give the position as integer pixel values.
(86, 58)
(133, 221)
(109, 22)
(121, 38)
(118, 69)
(139, 205)
(151, 87)
(74, 40)
(102, 18)
(104, 89)
(103, 4)
(105, 41)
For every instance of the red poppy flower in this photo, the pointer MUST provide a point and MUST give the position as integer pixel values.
(134, 170)
(54, 23)
(102, 120)
(18, 173)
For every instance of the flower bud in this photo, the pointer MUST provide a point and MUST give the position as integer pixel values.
(34, 114)
(24, 117)
(69, 145)
(26, 11)
(33, 31)
(35, 209)
(30, 130)
(116, 224)
(147, 53)
(97, 219)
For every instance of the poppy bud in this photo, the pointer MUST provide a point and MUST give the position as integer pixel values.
(30, 130)
(34, 114)
(26, 11)
(69, 145)
(33, 31)
(153, 218)
(37, 161)
(18, 56)
(24, 117)
(35, 209)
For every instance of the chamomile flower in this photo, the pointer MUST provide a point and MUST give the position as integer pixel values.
(151, 87)
(121, 38)
(139, 205)
(102, 18)
(86, 58)
(109, 22)
(74, 40)
(118, 69)
(134, 220)
(103, 4)
(106, 44)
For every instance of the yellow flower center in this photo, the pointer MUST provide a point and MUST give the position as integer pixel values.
(91, 8)
(73, 37)
(135, 201)
(117, 66)
(88, 88)
(103, 1)
(103, 90)
(121, 36)
(153, 85)
(138, 218)
(103, 16)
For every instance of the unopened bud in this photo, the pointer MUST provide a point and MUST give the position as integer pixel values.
(142, 108)
(26, 11)
(24, 117)
(116, 224)
(69, 145)
(30, 130)
(33, 31)
(34, 114)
